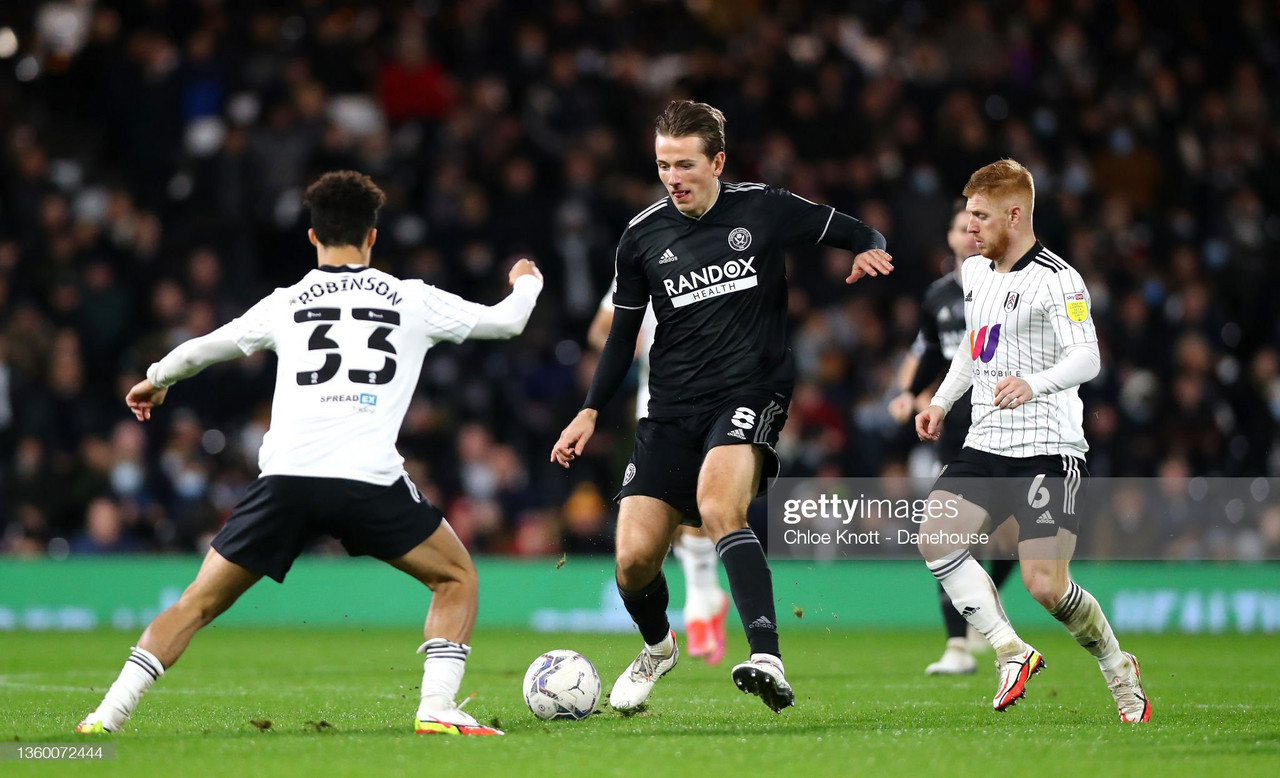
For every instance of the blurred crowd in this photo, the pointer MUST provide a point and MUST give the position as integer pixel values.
(154, 153)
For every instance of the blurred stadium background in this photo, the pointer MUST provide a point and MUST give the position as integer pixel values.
(154, 153)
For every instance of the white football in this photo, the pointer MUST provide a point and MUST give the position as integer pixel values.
(561, 684)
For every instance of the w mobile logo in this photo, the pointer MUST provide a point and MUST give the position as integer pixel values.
(983, 342)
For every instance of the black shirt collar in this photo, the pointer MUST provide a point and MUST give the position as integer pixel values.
(342, 268)
(1035, 249)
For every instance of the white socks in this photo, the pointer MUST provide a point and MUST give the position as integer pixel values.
(1081, 614)
(663, 648)
(441, 674)
(975, 597)
(700, 563)
(140, 670)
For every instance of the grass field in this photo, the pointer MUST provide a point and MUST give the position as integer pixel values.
(864, 707)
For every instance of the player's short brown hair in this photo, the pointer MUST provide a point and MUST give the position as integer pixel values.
(685, 117)
(1000, 179)
(344, 207)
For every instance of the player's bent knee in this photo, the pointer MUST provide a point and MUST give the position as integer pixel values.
(1045, 588)
(636, 570)
(720, 517)
(463, 575)
(458, 577)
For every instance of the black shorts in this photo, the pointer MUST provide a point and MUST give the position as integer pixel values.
(1043, 493)
(669, 452)
(280, 515)
(955, 428)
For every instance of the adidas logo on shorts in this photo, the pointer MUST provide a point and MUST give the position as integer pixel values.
(737, 434)
(1045, 518)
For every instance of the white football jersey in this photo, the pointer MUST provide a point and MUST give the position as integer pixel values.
(644, 342)
(1018, 324)
(350, 342)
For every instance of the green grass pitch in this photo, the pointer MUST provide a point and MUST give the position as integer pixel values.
(341, 702)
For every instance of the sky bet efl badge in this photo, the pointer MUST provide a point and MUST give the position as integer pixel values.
(1077, 309)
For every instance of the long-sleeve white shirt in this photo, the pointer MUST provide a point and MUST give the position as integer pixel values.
(350, 342)
(1033, 322)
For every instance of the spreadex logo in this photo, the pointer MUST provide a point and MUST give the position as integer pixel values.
(712, 281)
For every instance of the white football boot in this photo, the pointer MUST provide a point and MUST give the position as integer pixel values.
(450, 720)
(1131, 698)
(956, 660)
(100, 721)
(1015, 673)
(633, 686)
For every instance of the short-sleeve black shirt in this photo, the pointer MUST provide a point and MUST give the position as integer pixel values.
(719, 291)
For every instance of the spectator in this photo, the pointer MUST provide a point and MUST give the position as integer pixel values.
(505, 129)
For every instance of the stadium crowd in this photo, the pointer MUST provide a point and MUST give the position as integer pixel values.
(154, 154)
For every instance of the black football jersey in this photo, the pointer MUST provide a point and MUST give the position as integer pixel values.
(719, 291)
(943, 330)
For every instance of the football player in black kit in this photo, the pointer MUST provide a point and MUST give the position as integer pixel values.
(942, 330)
(710, 257)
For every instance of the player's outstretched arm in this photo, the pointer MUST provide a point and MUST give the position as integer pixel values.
(143, 397)
(929, 422)
(184, 361)
(875, 262)
(842, 231)
(804, 221)
(573, 440)
(508, 318)
(615, 361)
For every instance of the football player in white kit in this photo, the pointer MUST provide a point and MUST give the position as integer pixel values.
(350, 341)
(1031, 343)
(942, 332)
